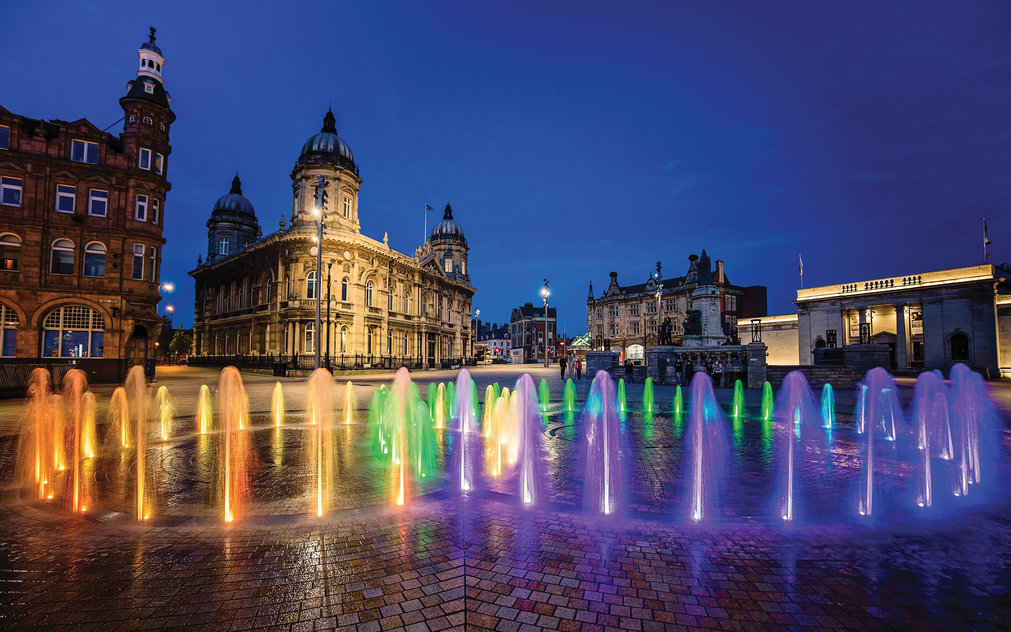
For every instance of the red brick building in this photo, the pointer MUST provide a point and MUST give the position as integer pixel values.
(81, 216)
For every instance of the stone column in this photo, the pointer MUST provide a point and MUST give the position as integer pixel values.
(933, 335)
(901, 342)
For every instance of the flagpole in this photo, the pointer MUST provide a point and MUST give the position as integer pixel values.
(424, 235)
(986, 242)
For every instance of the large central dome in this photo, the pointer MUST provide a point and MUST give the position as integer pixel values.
(327, 147)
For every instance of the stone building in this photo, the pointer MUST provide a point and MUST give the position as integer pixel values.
(256, 295)
(493, 341)
(81, 217)
(625, 318)
(528, 327)
(928, 320)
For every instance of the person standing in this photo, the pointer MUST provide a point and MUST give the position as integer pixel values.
(717, 372)
(629, 371)
(562, 363)
(579, 369)
(679, 371)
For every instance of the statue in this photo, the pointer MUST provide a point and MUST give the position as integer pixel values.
(693, 323)
(730, 331)
(705, 270)
(666, 331)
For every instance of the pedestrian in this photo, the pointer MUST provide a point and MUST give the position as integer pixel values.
(579, 369)
(629, 371)
(717, 372)
(679, 371)
(562, 363)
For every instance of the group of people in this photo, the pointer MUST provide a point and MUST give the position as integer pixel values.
(684, 371)
(577, 366)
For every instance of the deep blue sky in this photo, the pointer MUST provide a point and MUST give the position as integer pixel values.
(573, 139)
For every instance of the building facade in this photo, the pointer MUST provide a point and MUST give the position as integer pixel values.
(81, 217)
(625, 318)
(531, 332)
(929, 320)
(256, 295)
(493, 342)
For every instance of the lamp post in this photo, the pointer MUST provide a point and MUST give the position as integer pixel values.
(545, 293)
(476, 334)
(170, 309)
(319, 210)
(328, 266)
(659, 290)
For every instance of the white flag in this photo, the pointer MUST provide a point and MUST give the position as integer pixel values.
(801, 259)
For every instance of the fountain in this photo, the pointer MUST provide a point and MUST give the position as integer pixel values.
(877, 409)
(569, 396)
(80, 408)
(827, 406)
(468, 449)
(235, 455)
(350, 402)
(276, 405)
(647, 395)
(705, 450)
(603, 489)
(767, 402)
(622, 403)
(544, 395)
(530, 457)
(205, 411)
(118, 418)
(166, 412)
(799, 420)
(738, 410)
(678, 406)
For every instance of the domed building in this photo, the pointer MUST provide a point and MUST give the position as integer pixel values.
(256, 295)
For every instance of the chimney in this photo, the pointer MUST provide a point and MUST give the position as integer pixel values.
(719, 272)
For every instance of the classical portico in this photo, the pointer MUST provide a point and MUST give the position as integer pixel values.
(929, 320)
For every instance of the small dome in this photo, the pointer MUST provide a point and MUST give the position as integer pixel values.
(150, 45)
(327, 147)
(233, 201)
(448, 228)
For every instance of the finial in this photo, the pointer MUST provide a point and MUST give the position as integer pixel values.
(153, 29)
(200, 260)
(282, 222)
(448, 214)
(329, 122)
(236, 184)
(386, 239)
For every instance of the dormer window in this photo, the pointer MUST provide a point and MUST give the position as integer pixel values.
(161, 126)
(147, 121)
(148, 87)
(83, 151)
(133, 119)
(223, 246)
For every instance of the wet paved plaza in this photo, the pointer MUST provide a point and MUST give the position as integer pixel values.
(483, 561)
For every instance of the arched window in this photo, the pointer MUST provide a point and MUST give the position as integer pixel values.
(310, 285)
(8, 331)
(73, 331)
(146, 120)
(368, 293)
(309, 338)
(959, 347)
(405, 351)
(389, 300)
(344, 289)
(407, 302)
(344, 339)
(62, 261)
(389, 342)
(94, 259)
(424, 306)
(10, 252)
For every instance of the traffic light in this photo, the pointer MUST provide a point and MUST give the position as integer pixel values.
(321, 194)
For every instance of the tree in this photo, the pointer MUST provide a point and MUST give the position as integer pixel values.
(182, 342)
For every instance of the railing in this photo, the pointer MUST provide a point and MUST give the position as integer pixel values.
(352, 362)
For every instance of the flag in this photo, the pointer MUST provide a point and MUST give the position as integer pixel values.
(801, 260)
(428, 208)
(986, 234)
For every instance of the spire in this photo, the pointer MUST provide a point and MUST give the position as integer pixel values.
(236, 185)
(329, 122)
(590, 296)
(151, 37)
(448, 214)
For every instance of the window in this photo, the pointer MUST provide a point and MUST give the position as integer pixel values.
(147, 121)
(310, 285)
(159, 163)
(161, 126)
(73, 331)
(98, 202)
(144, 160)
(389, 301)
(141, 210)
(309, 338)
(368, 294)
(347, 207)
(65, 195)
(448, 265)
(370, 336)
(62, 261)
(223, 246)
(154, 268)
(344, 289)
(148, 88)
(404, 350)
(94, 260)
(389, 342)
(8, 331)
(83, 151)
(133, 118)
(10, 191)
(959, 346)
(633, 310)
(600, 313)
(5, 137)
(407, 303)
(138, 261)
(10, 252)
(344, 339)
(155, 207)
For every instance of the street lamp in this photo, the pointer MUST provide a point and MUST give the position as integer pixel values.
(168, 286)
(545, 293)
(170, 309)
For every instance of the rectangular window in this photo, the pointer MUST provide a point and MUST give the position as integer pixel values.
(159, 163)
(347, 207)
(138, 261)
(98, 202)
(10, 191)
(141, 212)
(83, 151)
(144, 161)
(5, 137)
(154, 267)
(154, 210)
(65, 198)
(449, 265)
(223, 247)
